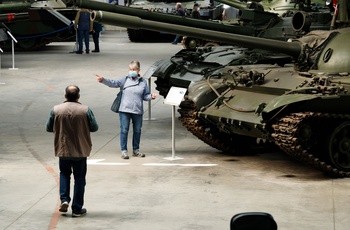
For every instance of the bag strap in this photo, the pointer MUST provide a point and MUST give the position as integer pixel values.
(122, 88)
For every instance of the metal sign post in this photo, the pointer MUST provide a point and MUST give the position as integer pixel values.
(148, 75)
(174, 98)
(1, 83)
(13, 50)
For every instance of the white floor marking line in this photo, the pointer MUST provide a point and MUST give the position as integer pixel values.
(98, 162)
(184, 165)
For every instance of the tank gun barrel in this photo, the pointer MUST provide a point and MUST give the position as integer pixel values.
(14, 7)
(293, 49)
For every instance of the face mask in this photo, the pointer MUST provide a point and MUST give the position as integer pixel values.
(132, 73)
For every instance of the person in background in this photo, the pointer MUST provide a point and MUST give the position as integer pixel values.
(180, 12)
(195, 11)
(96, 30)
(230, 13)
(135, 91)
(71, 122)
(83, 25)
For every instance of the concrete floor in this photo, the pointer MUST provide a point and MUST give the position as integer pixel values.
(201, 191)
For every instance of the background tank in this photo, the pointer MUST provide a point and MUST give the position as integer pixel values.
(272, 19)
(209, 11)
(47, 21)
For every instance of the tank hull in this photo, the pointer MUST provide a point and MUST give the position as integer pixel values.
(36, 24)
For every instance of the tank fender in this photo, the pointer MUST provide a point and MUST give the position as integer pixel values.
(281, 101)
(204, 93)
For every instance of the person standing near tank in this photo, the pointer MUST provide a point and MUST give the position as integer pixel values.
(195, 11)
(83, 26)
(135, 91)
(180, 12)
(71, 122)
(96, 30)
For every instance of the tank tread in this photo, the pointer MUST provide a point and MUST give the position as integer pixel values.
(286, 137)
(198, 128)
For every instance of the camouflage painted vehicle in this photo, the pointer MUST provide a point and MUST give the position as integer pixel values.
(45, 22)
(302, 107)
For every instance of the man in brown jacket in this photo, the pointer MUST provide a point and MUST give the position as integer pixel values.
(71, 123)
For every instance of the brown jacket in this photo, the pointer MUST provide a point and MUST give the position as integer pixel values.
(71, 127)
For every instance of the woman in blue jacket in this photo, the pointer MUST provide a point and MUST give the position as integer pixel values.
(135, 91)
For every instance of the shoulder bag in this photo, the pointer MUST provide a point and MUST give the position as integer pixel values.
(116, 103)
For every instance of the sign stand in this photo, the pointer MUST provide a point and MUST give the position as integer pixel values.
(76, 46)
(174, 98)
(148, 76)
(13, 50)
(1, 83)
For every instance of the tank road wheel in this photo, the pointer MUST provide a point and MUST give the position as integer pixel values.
(339, 146)
(27, 44)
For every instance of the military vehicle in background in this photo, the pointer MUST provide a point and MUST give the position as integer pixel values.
(302, 107)
(271, 19)
(209, 11)
(45, 22)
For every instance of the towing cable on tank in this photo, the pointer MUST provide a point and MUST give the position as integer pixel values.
(223, 99)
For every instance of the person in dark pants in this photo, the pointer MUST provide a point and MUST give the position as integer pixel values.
(135, 91)
(71, 123)
(180, 12)
(96, 30)
(83, 25)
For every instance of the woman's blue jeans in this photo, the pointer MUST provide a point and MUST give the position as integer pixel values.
(78, 166)
(124, 130)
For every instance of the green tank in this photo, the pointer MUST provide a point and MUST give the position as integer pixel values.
(301, 107)
(44, 22)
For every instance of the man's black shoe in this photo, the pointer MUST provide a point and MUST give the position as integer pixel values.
(95, 51)
(79, 214)
(79, 52)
